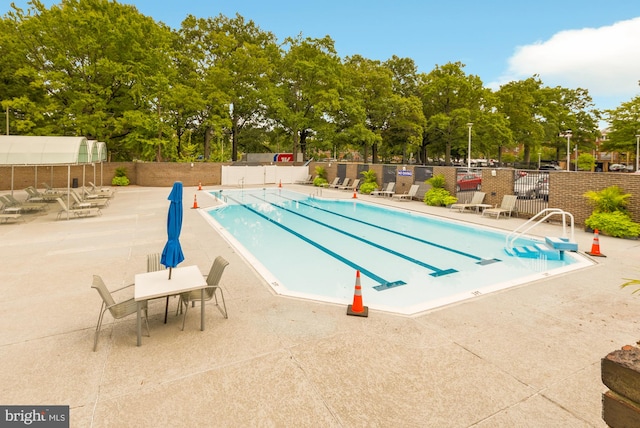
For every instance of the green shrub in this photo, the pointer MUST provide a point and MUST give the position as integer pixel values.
(608, 200)
(616, 223)
(369, 176)
(120, 181)
(437, 181)
(321, 172)
(319, 181)
(437, 197)
(370, 184)
(367, 188)
(120, 178)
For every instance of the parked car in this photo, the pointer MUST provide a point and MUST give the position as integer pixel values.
(543, 190)
(528, 186)
(469, 182)
(549, 168)
(620, 167)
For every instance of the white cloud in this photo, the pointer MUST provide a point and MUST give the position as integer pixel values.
(604, 60)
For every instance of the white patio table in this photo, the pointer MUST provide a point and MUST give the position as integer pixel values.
(150, 285)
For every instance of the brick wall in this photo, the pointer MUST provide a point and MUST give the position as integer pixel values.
(166, 173)
(566, 189)
(498, 185)
(24, 176)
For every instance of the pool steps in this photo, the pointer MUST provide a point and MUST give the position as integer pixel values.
(552, 249)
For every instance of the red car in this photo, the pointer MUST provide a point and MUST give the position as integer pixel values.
(469, 182)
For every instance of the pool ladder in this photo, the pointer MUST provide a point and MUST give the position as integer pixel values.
(553, 248)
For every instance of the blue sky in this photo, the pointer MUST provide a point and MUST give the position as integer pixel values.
(589, 44)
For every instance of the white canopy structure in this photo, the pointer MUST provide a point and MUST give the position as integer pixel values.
(20, 150)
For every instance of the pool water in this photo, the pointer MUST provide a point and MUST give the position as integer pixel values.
(312, 247)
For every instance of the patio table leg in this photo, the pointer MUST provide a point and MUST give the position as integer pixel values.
(139, 324)
(202, 309)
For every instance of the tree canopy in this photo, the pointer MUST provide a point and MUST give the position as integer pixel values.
(219, 87)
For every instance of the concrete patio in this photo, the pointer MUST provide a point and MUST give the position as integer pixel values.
(528, 356)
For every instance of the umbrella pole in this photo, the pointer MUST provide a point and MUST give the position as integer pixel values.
(166, 308)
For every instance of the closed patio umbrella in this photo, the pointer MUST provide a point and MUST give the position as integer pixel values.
(172, 253)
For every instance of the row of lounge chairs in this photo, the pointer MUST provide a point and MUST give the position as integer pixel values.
(89, 204)
(72, 203)
(506, 208)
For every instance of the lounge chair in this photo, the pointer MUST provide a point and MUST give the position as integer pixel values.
(117, 310)
(47, 196)
(5, 217)
(474, 203)
(308, 180)
(77, 212)
(87, 195)
(336, 183)
(11, 202)
(345, 184)
(8, 213)
(213, 285)
(507, 206)
(101, 191)
(353, 186)
(33, 195)
(49, 189)
(106, 191)
(387, 191)
(87, 203)
(413, 190)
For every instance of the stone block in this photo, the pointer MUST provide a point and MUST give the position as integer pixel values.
(618, 412)
(620, 372)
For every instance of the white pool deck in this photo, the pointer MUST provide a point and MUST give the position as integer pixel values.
(527, 356)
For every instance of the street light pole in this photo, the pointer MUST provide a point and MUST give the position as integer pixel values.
(568, 134)
(539, 154)
(470, 124)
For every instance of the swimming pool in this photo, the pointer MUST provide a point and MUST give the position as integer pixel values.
(312, 247)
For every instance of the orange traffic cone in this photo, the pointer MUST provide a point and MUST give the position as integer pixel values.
(195, 202)
(280, 184)
(199, 185)
(357, 309)
(595, 247)
(355, 195)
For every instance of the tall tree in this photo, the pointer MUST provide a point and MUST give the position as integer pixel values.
(373, 84)
(308, 90)
(450, 100)
(521, 103)
(562, 109)
(95, 60)
(624, 127)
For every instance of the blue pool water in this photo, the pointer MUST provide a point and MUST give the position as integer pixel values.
(312, 247)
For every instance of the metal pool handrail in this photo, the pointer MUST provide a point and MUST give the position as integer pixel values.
(545, 214)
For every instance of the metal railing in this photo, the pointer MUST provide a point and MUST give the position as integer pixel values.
(542, 216)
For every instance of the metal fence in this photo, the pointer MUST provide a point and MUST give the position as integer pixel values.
(532, 189)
